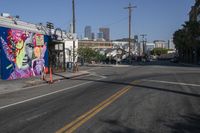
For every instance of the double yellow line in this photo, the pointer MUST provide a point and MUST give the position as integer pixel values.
(71, 127)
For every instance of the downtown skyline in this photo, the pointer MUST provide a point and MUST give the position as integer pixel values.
(158, 19)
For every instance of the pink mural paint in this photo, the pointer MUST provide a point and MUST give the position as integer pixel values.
(19, 49)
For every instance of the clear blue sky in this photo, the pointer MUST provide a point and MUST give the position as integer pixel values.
(156, 18)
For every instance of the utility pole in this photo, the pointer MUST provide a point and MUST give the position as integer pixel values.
(74, 30)
(143, 42)
(129, 27)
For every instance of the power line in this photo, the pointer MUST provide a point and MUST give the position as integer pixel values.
(106, 25)
(116, 22)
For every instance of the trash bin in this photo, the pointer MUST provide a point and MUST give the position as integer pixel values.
(69, 65)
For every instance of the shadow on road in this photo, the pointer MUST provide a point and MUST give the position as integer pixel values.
(168, 90)
(150, 63)
(164, 63)
(144, 87)
(190, 124)
(114, 126)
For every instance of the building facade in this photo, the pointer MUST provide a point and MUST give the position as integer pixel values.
(100, 36)
(95, 44)
(106, 33)
(23, 49)
(160, 44)
(88, 32)
(149, 47)
(171, 44)
(26, 48)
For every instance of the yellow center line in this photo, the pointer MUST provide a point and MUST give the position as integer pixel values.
(71, 127)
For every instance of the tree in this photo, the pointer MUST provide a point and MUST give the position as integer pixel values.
(187, 42)
(159, 51)
(87, 54)
(99, 57)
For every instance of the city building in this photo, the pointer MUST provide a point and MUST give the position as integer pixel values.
(194, 14)
(88, 32)
(27, 49)
(160, 44)
(95, 44)
(100, 36)
(124, 44)
(106, 33)
(93, 36)
(149, 47)
(171, 45)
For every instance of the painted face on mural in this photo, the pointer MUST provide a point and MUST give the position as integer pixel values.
(24, 53)
(28, 56)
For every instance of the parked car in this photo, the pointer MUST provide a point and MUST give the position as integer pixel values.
(174, 60)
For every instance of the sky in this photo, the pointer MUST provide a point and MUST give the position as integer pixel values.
(156, 18)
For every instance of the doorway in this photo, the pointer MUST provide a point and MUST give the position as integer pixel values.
(57, 56)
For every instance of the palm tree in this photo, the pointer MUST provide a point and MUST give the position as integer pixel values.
(193, 33)
(187, 42)
(180, 42)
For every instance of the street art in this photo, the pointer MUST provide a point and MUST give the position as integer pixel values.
(23, 53)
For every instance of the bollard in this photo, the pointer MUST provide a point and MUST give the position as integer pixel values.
(43, 73)
(51, 76)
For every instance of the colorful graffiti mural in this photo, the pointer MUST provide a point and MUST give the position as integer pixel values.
(24, 54)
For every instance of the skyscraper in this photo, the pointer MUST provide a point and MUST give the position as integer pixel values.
(106, 33)
(100, 36)
(93, 35)
(88, 32)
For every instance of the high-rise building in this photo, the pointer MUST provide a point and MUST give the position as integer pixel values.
(106, 33)
(100, 36)
(88, 32)
(93, 36)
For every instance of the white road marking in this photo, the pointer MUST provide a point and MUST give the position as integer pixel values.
(48, 94)
(175, 83)
(36, 116)
(95, 74)
(35, 86)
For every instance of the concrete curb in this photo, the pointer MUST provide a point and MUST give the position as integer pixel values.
(108, 65)
(57, 77)
(189, 65)
(9, 86)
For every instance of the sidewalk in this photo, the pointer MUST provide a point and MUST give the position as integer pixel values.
(7, 86)
(108, 65)
(189, 65)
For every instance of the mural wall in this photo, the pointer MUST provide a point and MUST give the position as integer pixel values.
(23, 54)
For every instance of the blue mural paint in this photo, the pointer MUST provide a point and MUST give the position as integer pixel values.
(23, 54)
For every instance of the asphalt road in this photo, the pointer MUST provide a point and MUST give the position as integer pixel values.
(121, 99)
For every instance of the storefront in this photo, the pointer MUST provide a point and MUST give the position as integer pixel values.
(57, 56)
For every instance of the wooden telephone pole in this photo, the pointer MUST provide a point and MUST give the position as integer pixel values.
(74, 30)
(143, 43)
(130, 7)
